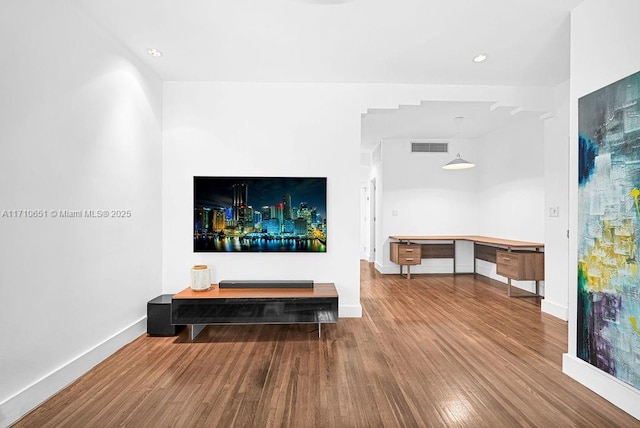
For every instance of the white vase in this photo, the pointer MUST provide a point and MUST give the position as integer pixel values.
(200, 278)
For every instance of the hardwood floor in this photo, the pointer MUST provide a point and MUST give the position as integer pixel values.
(433, 351)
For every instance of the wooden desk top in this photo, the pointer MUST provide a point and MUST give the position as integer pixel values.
(473, 238)
(215, 292)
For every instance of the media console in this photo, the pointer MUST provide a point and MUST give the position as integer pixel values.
(316, 305)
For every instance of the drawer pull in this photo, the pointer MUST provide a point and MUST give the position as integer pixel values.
(409, 251)
(506, 259)
(409, 259)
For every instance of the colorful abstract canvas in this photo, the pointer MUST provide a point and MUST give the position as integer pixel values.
(609, 229)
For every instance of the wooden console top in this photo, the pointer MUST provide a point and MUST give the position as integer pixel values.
(215, 292)
(473, 238)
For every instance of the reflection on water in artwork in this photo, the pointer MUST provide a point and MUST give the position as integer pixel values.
(258, 244)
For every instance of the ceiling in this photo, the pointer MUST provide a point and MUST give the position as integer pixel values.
(372, 41)
(433, 120)
(376, 41)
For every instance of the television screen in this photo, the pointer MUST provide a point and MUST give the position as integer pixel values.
(260, 214)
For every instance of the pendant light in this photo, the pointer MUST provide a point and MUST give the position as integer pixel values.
(458, 162)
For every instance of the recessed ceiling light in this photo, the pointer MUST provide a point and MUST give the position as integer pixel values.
(154, 52)
(479, 57)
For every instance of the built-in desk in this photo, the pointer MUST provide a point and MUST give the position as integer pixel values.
(519, 260)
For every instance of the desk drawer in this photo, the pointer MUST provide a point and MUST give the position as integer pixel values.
(408, 260)
(507, 264)
(406, 254)
(409, 250)
(521, 266)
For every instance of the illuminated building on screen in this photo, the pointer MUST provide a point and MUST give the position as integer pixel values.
(218, 220)
(240, 197)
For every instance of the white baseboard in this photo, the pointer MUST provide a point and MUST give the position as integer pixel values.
(608, 387)
(33, 395)
(555, 309)
(350, 311)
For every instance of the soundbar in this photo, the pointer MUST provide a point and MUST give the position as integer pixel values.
(267, 284)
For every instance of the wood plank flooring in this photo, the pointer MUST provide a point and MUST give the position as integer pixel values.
(433, 351)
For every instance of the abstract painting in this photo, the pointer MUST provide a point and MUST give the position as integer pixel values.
(608, 335)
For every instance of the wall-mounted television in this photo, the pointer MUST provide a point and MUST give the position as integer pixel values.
(259, 214)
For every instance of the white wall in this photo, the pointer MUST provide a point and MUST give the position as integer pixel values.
(604, 49)
(511, 189)
(79, 130)
(556, 189)
(510, 180)
(364, 215)
(237, 129)
(421, 198)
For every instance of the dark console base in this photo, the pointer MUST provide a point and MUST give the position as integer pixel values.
(266, 284)
(315, 305)
(256, 311)
(159, 317)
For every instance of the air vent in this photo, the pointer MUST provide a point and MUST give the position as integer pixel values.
(429, 147)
